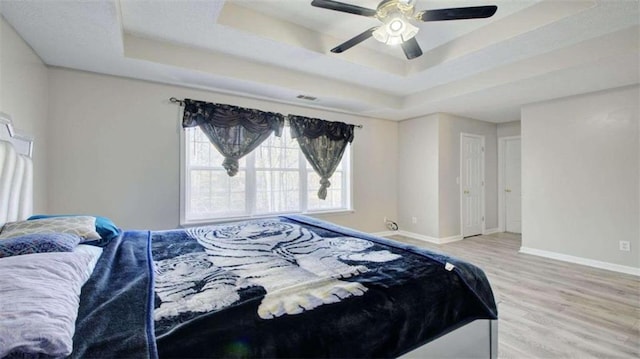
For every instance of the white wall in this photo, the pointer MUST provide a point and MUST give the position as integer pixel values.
(507, 129)
(418, 176)
(449, 169)
(114, 151)
(581, 176)
(23, 95)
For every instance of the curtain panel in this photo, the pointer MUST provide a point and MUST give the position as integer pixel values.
(233, 131)
(323, 143)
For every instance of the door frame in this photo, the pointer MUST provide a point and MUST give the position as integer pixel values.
(482, 177)
(502, 163)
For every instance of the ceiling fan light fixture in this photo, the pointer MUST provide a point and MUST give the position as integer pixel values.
(398, 18)
(395, 31)
(396, 25)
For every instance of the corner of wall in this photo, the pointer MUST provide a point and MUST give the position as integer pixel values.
(417, 186)
(22, 68)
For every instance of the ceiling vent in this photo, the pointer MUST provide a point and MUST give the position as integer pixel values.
(307, 98)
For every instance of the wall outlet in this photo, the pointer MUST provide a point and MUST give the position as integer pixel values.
(625, 246)
(414, 220)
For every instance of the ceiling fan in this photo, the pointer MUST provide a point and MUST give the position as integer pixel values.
(398, 18)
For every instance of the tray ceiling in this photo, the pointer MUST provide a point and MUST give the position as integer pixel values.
(530, 51)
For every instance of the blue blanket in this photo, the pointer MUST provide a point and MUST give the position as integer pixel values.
(282, 287)
(299, 287)
(114, 318)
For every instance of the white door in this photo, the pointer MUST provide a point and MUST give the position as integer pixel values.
(472, 184)
(512, 195)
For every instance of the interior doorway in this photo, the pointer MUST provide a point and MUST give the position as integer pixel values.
(510, 189)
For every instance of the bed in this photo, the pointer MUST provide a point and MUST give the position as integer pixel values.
(286, 286)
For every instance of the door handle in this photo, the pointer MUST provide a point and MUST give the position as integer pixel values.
(466, 192)
(507, 190)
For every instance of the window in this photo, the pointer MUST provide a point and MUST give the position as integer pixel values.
(274, 179)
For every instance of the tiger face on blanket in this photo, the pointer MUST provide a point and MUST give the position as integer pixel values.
(299, 269)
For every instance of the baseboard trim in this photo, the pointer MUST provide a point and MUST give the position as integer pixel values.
(580, 260)
(419, 237)
(429, 239)
(385, 233)
(492, 230)
(450, 239)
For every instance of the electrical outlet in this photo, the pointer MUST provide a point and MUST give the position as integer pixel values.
(625, 246)
(385, 219)
(414, 220)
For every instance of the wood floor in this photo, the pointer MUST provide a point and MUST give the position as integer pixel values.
(553, 309)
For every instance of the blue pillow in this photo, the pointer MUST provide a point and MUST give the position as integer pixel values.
(104, 226)
(38, 243)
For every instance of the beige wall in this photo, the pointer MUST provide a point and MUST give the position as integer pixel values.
(23, 95)
(418, 176)
(507, 129)
(114, 151)
(581, 176)
(449, 170)
(375, 153)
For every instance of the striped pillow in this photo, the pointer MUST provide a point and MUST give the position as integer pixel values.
(83, 226)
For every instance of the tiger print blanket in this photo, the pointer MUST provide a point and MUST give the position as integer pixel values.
(298, 287)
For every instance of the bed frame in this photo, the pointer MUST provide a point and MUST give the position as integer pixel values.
(478, 339)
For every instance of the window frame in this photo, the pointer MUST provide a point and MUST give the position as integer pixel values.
(303, 170)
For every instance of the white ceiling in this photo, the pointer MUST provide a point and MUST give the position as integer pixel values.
(529, 51)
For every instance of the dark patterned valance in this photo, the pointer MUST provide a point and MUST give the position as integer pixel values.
(221, 115)
(233, 131)
(323, 144)
(315, 127)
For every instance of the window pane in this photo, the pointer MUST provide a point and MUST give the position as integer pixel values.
(215, 194)
(277, 152)
(201, 152)
(200, 148)
(292, 157)
(276, 172)
(268, 157)
(277, 191)
(334, 192)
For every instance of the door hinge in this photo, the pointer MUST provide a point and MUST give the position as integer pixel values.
(482, 218)
(482, 148)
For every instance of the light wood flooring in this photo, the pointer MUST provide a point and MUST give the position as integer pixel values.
(549, 308)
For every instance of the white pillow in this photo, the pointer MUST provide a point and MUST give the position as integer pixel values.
(39, 301)
(94, 251)
(83, 226)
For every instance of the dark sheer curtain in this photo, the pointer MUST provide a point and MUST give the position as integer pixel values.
(233, 131)
(323, 144)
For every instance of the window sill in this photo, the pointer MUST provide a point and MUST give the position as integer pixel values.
(204, 222)
(330, 213)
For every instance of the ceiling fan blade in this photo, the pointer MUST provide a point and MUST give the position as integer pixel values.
(411, 48)
(354, 41)
(459, 13)
(339, 6)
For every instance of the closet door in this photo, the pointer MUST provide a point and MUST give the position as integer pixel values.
(512, 195)
(472, 184)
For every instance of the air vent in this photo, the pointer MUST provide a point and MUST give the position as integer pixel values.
(307, 98)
